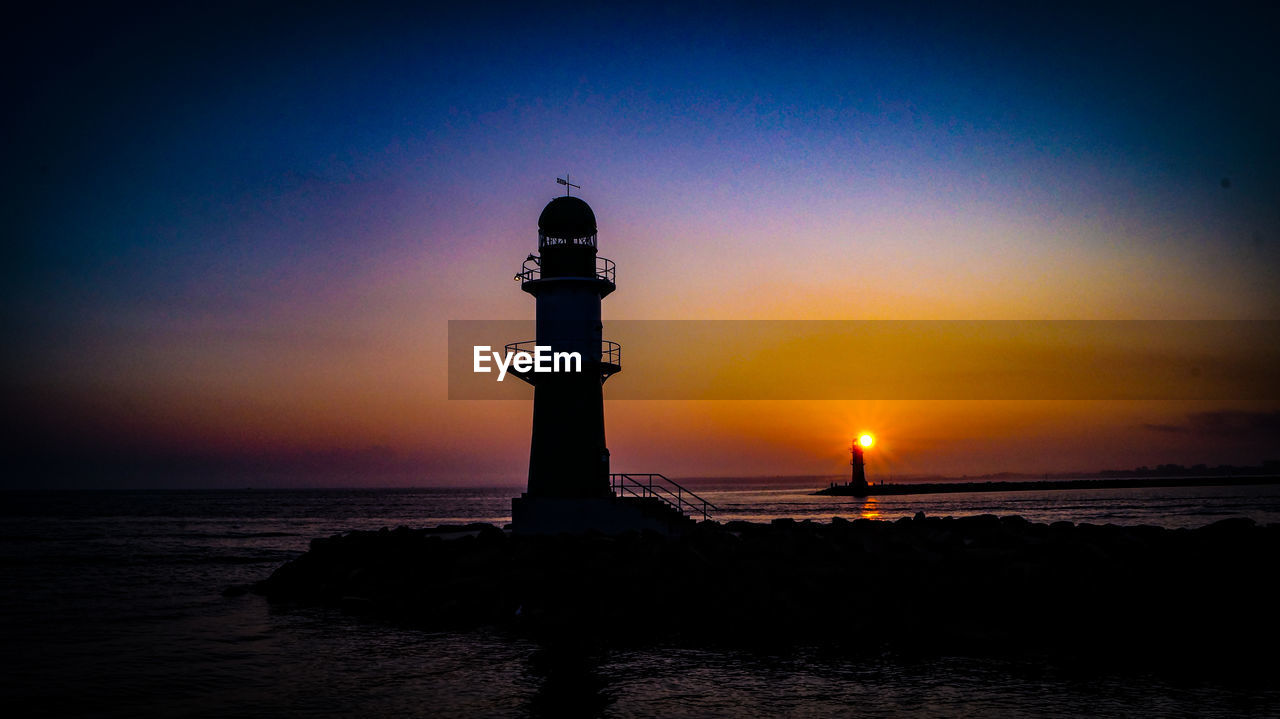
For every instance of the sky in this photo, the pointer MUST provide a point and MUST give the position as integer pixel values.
(237, 232)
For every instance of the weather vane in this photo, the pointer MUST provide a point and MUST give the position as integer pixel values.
(565, 181)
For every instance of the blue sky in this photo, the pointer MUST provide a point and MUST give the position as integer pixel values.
(258, 207)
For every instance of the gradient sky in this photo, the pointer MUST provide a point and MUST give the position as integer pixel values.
(237, 232)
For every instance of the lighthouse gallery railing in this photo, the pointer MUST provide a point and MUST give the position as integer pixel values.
(666, 490)
(530, 270)
(610, 351)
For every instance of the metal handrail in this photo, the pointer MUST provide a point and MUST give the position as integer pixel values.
(670, 493)
(521, 346)
(610, 353)
(605, 270)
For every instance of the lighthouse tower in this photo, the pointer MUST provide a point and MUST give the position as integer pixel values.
(858, 486)
(570, 487)
(568, 458)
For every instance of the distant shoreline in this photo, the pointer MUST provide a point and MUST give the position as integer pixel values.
(872, 490)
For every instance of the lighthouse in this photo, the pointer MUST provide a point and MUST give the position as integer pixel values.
(568, 457)
(570, 486)
(858, 486)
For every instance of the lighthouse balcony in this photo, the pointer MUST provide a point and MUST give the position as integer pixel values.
(610, 358)
(531, 271)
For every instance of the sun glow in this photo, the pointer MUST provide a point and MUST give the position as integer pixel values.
(866, 440)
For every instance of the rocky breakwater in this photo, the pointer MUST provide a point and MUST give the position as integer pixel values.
(1199, 598)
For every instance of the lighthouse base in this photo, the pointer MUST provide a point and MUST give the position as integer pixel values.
(607, 515)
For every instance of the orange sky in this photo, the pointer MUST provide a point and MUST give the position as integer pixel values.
(250, 280)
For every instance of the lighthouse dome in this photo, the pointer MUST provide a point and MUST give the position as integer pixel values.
(567, 220)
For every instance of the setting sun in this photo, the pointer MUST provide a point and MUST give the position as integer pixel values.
(866, 440)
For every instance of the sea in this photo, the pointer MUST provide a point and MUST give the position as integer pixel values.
(112, 605)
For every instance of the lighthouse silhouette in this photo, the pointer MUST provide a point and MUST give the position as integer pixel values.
(570, 486)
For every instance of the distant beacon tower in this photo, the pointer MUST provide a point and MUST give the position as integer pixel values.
(568, 458)
(858, 473)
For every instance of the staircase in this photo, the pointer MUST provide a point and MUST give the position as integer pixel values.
(661, 498)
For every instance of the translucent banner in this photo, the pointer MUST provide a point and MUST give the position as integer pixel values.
(890, 359)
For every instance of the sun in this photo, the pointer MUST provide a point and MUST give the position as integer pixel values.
(866, 440)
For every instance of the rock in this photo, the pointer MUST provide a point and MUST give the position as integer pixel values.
(1035, 587)
(1234, 524)
(356, 605)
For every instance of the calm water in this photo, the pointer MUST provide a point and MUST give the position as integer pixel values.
(110, 605)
